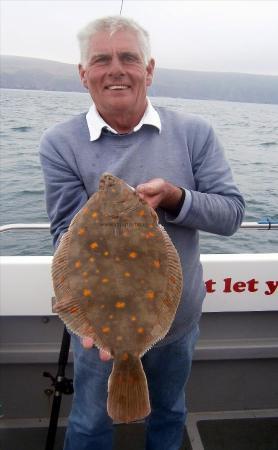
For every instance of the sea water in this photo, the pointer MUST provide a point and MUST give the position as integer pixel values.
(249, 133)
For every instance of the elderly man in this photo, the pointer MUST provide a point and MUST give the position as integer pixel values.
(177, 165)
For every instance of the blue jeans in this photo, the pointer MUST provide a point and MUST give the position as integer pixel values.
(167, 370)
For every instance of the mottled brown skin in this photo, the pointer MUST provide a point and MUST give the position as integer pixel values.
(117, 278)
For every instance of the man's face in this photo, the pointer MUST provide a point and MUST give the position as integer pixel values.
(116, 75)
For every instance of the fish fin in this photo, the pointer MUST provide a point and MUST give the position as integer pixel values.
(128, 395)
(172, 295)
(59, 269)
(72, 314)
(174, 276)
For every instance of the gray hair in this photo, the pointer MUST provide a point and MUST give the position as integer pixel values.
(111, 24)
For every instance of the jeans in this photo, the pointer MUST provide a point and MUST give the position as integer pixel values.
(167, 370)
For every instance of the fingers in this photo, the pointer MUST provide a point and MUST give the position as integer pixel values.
(158, 192)
(151, 187)
(151, 192)
(104, 355)
(88, 343)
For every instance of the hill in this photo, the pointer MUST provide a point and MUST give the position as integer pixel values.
(32, 73)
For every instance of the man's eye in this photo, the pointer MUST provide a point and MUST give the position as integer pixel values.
(130, 58)
(101, 60)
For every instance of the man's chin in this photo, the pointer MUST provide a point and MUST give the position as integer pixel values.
(120, 104)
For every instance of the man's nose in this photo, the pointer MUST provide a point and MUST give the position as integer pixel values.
(116, 67)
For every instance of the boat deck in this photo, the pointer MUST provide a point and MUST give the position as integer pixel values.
(236, 430)
(232, 392)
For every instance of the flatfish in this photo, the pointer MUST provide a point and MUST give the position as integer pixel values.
(117, 278)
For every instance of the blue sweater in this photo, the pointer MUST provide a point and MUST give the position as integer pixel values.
(186, 153)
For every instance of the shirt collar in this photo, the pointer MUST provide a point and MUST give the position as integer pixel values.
(96, 123)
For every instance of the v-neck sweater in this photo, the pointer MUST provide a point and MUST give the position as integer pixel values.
(186, 153)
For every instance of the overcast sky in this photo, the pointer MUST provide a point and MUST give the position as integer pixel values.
(213, 35)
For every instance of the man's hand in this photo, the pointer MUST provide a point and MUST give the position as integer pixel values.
(160, 193)
(88, 343)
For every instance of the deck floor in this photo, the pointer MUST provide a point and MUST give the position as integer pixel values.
(239, 434)
(241, 430)
(34, 438)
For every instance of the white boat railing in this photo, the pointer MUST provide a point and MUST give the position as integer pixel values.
(267, 225)
(25, 226)
(234, 282)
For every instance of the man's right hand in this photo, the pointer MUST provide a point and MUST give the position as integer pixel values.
(88, 343)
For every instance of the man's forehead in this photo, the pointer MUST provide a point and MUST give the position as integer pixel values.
(122, 40)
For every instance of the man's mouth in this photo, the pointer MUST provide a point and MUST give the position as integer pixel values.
(116, 87)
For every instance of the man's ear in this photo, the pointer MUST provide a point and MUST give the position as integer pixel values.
(83, 75)
(150, 71)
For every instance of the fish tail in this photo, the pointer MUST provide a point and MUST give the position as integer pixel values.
(128, 395)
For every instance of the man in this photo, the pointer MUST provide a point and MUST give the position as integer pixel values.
(177, 165)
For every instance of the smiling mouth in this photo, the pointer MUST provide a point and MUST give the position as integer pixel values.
(117, 87)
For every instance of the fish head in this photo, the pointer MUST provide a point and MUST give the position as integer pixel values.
(114, 186)
(118, 198)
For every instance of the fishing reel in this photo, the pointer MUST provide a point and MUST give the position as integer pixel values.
(60, 383)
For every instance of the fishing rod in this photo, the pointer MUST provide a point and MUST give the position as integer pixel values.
(121, 7)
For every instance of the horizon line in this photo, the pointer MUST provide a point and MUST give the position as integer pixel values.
(159, 67)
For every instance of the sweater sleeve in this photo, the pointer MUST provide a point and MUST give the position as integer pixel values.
(216, 205)
(64, 190)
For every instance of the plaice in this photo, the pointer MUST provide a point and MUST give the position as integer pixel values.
(117, 278)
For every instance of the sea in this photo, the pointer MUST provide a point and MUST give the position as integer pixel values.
(248, 131)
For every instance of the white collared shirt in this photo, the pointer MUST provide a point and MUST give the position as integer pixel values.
(96, 123)
(151, 117)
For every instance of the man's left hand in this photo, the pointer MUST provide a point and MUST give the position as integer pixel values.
(159, 193)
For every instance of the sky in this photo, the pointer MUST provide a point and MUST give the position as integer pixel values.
(206, 35)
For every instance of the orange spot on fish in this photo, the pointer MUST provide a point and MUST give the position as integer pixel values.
(132, 255)
(120, 305)
(92, 260)
(119, 338)
(117, 258)
(87, 292)
(156, 263)
(127, 274)
(105, 280)
(94, 245)
(150, 295)
(85, 210)
(149, 235)
(140, 330)
(94, 215)
(133, 318)
(106, 253)
(77, 265)
(124, 356)
(74, 309)
(105, 329)
(141, 213)
(81, 231)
